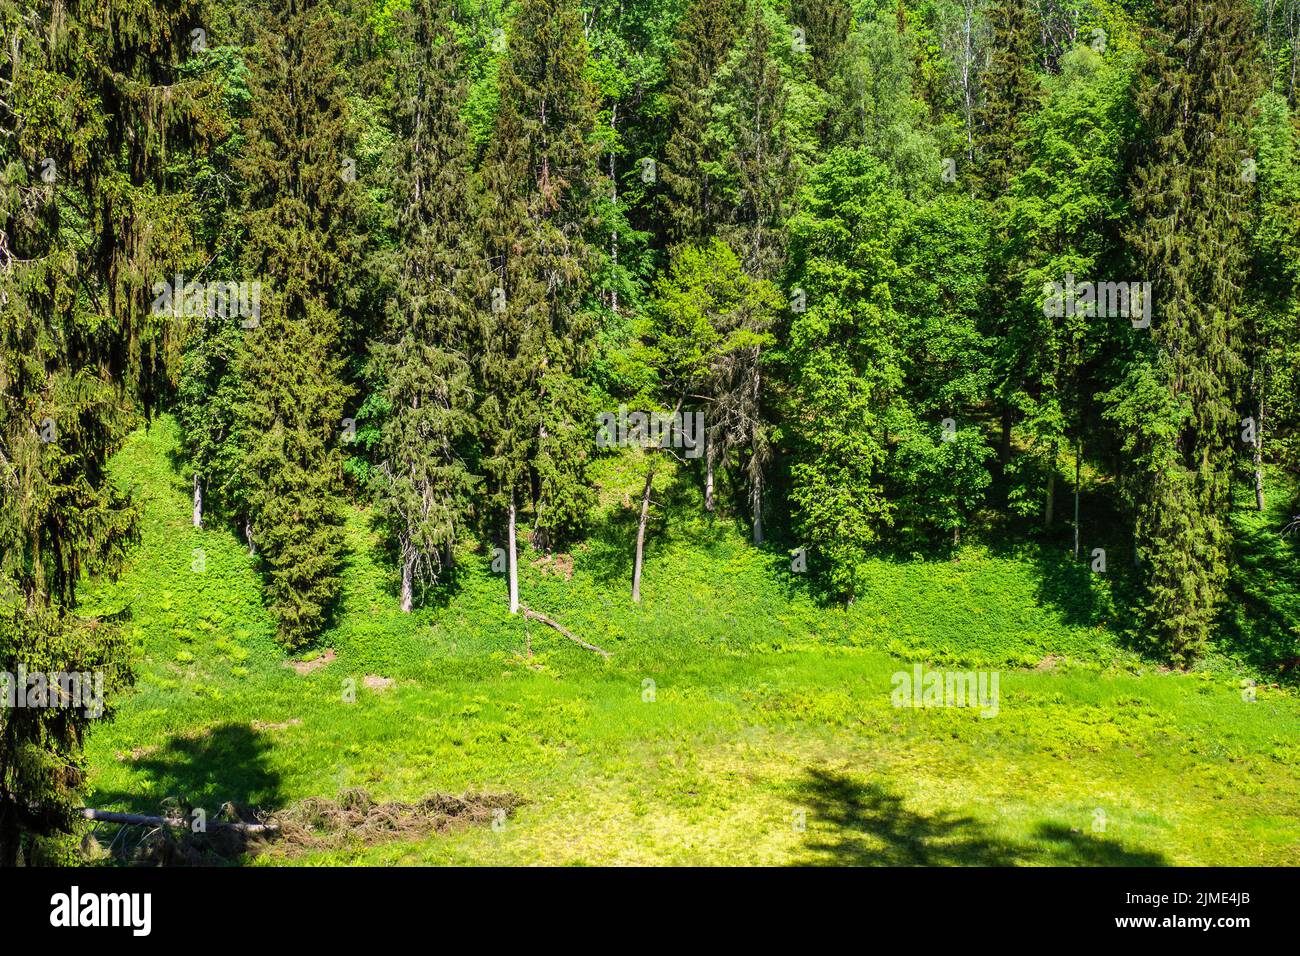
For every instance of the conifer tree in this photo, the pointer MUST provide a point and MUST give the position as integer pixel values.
(760, 172)
(1010, 95)
(1177, 405)
(424, 484)
(288, 417)
(689, 203)
(89, 219)
(761, 179)
(825, 25)
(540, 186)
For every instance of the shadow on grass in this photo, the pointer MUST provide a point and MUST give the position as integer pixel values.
(220, 765)
(869, 826)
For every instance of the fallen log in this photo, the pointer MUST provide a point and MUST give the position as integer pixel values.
(140, 819)
(535, 616)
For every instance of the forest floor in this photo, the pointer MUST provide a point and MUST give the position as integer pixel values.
(738, 721)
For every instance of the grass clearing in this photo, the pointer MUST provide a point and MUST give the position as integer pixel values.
(767, 735)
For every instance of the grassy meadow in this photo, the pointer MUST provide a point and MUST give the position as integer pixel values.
(738, 719)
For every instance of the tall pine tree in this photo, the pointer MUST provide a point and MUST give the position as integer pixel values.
(541, 185)
(424, 484)
(288, 417)
(689, 203)
(1194, 97)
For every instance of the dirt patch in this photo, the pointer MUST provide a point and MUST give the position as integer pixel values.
(377, 683)
(1048, 663)
(315, 664)
(354, 819)
(558, 564)
(259, 725)
(138, 753)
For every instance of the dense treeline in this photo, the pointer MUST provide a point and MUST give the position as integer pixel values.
(917, 267)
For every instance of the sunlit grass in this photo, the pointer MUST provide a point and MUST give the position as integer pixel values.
(738, 721)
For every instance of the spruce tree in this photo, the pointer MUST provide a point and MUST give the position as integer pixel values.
(689, 203)
(541, 185)
(89, 219)
(761, 178)
(289, 414)
(424, 484)
(760, 182)
(1010, 97)
(825, 25)
(998, 155)
(1194, 97)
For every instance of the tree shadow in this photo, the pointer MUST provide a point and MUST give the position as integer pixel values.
(869, 826)
(223, 772)
(219, 765)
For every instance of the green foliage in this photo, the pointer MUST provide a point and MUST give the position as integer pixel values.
(286, 474)
(843, 354)
(1188, 235)
(540, 184)
(1063, 218)
(690, 204)
(826, 226)
(1011, 91)
(424, 484)
(89, 217)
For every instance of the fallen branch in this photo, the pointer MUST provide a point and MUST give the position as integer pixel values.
(533, 615)
(141, 820)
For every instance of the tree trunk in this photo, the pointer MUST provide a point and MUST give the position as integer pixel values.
(198, 502)
(1078, 456)
(640, 534)
(1004, 445)
(756, 495)
(513, 561)
(645, 513)
(1259, 454)
(408, 572)
(1050, 504)
(248, 536)
(708, 475)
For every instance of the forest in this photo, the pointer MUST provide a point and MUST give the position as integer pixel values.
(677, 337)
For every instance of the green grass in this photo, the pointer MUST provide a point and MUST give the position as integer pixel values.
(770, 737)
